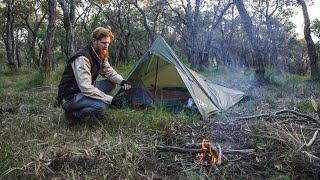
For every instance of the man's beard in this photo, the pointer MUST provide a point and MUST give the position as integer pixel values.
(103, 54)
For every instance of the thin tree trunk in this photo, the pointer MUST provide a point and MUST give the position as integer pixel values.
(48, 47)
(253, 39)
(16, 50)
(216, 20)
(9, 40)
(312, 52)
(68, 21)
(192, 19)
(145, 20)
(33, 30)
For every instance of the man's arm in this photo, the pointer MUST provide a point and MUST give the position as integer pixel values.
(109, 73)
(81, 68)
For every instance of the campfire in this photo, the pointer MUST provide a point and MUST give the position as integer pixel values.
(206, 154)
(206, 158)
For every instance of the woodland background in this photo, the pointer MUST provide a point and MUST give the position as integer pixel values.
(254, 34)
(250, 46)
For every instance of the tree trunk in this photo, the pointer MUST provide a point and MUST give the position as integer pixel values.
(9, 40)
(124, 33)
(192, 20)
(312, 52)
(48, 47)
(33, 35)
(253, 39)
(145, 20)
(68, 22)
(216, 20)
(16, 50)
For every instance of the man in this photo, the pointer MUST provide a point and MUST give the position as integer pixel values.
(79, 93)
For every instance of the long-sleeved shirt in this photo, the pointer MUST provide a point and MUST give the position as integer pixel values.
(81, 68)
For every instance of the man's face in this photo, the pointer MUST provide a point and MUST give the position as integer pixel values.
(101, 46)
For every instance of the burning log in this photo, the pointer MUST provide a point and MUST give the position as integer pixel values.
(194, 151)
(179, 149)
(207, 154)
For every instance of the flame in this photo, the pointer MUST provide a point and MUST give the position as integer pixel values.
(202, 157)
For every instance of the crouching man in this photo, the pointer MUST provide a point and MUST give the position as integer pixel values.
(79, 92)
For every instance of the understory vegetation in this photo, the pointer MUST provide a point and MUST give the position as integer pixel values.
(35, 142)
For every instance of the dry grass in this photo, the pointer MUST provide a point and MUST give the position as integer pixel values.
(35, 143)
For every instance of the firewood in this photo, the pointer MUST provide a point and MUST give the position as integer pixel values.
(315, 105)
(277, 114)
(180, 150)
(192, 151)
(312, 139)
(219, 155)
(313, 159)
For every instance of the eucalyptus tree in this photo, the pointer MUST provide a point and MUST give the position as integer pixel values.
(117, 15)
(196, 23)
(145, 19)
(272, 16)
(46, 59)
(312, 52)
(253, 38)
(8, 37)
(219, 11)
(69, 8)
(32, 13)
(82, 23)
(315, 27)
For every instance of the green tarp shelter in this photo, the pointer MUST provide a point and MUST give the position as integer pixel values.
(159, 76)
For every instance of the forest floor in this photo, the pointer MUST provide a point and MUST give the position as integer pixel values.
(277, 120)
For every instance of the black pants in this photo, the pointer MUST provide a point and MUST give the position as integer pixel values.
(80, 106)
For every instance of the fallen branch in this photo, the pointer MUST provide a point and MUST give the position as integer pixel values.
(277, 113)
(239, 151)
(313, 138)
(296, 113)
(180, 150)
(220, 155)
(313, 159)
(192, 151)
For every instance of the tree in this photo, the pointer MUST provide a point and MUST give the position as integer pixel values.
(315, 27)
(48, 46)
(68, 21)
(9, 38)
(151, 31)
(312, 52)
(216, 20)
(31, 14)
(253, 39)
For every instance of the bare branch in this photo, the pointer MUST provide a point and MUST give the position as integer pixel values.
(313, 138)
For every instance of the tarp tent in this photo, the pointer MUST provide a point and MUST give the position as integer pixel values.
(159, 76)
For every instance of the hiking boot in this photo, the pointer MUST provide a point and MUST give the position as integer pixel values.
(72, 120)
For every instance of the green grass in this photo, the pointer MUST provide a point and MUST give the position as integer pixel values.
(35, 143)
(33, 133)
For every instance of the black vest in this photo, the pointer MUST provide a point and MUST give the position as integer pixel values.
(68, 85)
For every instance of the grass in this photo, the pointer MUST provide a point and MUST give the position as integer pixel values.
(35, 143)
(34, 137)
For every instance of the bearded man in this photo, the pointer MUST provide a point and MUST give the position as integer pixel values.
(79, 92)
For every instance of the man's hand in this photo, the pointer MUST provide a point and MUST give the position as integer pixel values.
(125, 85)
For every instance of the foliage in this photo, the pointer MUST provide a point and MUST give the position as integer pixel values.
(229, 45)
(315, 27)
